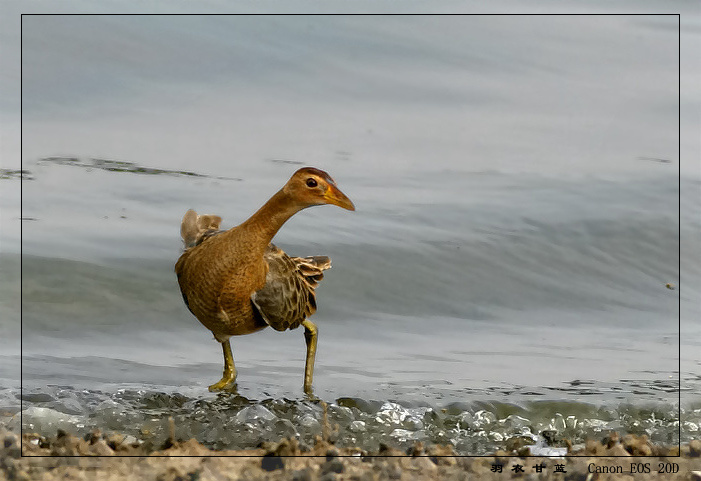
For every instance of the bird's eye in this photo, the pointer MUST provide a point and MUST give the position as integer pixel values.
(311, 182)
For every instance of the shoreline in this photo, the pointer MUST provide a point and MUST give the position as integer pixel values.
(115, 457)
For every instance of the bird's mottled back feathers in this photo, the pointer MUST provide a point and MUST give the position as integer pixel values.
(288, 295)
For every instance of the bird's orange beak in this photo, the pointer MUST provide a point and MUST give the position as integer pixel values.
(334, 196)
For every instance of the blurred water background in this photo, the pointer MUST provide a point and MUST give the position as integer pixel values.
(512, 266)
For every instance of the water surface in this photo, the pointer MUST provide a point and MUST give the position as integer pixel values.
(512, 266)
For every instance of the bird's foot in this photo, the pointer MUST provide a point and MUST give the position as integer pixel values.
(310, 396)
(226, 383)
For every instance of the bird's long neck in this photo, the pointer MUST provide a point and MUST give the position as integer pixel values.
(264, 224)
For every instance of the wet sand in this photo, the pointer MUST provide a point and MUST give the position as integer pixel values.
(102, 456)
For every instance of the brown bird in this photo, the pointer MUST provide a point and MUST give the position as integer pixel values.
(237, 282)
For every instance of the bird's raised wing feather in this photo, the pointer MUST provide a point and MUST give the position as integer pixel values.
(288, 295)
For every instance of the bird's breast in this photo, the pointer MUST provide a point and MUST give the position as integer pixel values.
(217, 282)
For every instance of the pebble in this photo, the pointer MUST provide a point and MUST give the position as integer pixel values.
(332, 453)
(11, 445)
(637, 445)
(389, 468)
(442, 455)
(302, 475)
(100, 448)
(365, 476)
(286, 447)
(271, 462)
(695, 448)
(114, 440)
(335, 466)
(423, 463)
(617, 450)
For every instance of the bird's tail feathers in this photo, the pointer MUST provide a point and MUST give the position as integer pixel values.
(196, 228)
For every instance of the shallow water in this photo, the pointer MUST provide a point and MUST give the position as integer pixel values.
(515, 322)
(510, 268)
(236, 422)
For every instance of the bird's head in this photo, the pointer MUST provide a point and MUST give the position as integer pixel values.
(309, 186)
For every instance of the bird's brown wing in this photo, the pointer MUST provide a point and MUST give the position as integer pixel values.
(195, 228)
(288, 295)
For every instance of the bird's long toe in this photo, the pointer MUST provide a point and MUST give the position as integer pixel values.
(226, 383)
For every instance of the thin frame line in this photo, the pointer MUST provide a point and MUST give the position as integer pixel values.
(347, 14)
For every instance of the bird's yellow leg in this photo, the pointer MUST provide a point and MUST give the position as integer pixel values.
(228, 380)
(310, 336)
